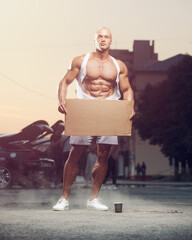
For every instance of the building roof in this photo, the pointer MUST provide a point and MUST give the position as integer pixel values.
(163, 66)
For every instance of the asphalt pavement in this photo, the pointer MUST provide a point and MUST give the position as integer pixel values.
(150, 211)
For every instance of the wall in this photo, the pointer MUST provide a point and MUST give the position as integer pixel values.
(156, 162)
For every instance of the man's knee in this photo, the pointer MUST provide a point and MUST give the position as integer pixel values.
(76, 151)
(103, 153)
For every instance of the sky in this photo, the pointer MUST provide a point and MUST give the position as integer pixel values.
(39, 38)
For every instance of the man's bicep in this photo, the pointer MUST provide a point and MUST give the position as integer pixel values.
(71, 75)
(124, 80)
(73, 71)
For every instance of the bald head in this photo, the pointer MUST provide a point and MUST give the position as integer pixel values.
(103, 39)
(102, 29)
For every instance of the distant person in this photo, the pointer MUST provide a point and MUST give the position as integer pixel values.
(65, 146)
(112, 167)
(99, 76)
(143, 171)
(138, 171)
(57, 152)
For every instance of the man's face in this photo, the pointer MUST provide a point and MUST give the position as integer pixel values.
(103, 39)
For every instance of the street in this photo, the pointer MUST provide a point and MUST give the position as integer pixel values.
(149, 212)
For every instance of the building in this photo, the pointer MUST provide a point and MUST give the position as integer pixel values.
(144, 68)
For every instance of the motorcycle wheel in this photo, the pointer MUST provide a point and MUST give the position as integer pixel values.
(5, 177)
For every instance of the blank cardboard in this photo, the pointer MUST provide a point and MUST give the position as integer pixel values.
(98, 117)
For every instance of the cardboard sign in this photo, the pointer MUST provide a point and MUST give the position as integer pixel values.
(98, 117)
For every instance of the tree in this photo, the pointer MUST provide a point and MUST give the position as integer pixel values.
(164, 114)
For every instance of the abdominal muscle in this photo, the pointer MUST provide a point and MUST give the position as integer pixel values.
(98, 88)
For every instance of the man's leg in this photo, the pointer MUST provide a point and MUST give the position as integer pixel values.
(87, 171)
(100, 168)
(65, 157)
(71, 168)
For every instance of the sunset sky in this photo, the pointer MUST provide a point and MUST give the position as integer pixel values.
(39, 38)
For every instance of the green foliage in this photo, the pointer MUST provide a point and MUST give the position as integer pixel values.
(164, 112)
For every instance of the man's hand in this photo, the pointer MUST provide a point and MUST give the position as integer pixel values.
(62, 108)
(132, 114)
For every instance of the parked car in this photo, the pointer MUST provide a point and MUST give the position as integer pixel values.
(24, 156)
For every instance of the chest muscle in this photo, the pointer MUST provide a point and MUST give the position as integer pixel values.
(101, 70)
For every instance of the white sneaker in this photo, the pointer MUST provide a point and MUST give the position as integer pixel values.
(96, 204)
(52, 185)
(113, 187)
(61, 205)
(103, 187)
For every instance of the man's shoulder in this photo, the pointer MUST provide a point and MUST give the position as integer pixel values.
(79, 58)
(121, 64)
(77, 61)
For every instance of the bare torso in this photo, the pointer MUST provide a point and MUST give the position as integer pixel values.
(100, 79)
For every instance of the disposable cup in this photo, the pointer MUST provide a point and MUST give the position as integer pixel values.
(118, 207)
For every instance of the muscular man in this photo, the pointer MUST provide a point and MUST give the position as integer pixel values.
(99, 76)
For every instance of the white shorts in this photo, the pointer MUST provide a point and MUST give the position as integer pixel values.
(86, 140)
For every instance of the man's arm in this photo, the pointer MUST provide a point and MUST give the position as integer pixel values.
(66, 81)
(125, 86)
